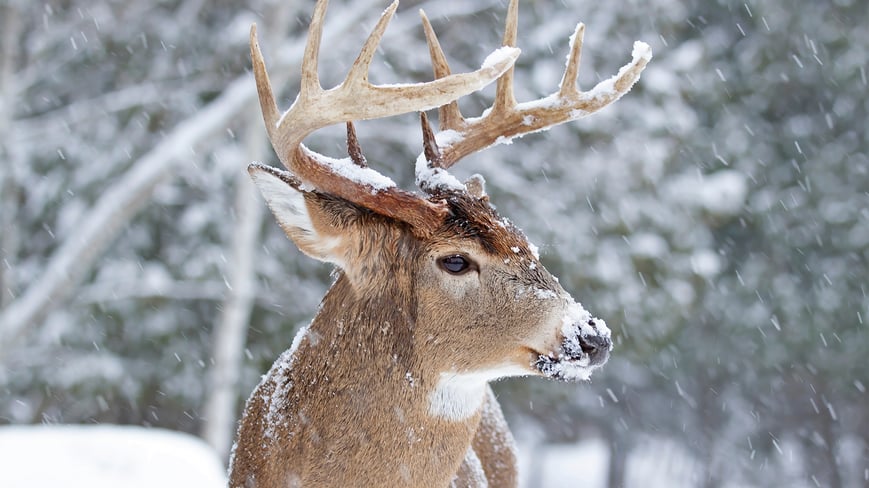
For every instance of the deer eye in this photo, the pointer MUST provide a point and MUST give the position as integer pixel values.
(456, 264)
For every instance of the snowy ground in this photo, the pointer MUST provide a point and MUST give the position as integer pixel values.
(100, 456)
(104, 456)
(654, 464)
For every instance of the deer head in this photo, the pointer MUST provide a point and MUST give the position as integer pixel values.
(436, 293)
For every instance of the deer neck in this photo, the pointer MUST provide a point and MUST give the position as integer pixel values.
(367, 389)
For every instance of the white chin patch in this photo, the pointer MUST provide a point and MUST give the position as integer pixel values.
(565, 369)
(459, 396)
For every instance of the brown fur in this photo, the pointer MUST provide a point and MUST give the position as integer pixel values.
(352, 408)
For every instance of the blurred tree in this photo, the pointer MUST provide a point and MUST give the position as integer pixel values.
(717, 216)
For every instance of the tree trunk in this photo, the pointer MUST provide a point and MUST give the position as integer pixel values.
(229, 335)
(617, 463)
(231, 330)
(9, 193)
(829, 451)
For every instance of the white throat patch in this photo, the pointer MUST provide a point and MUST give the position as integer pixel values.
(458, 396)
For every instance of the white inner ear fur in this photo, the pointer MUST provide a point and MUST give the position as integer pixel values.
(292, 213)
(458, 396)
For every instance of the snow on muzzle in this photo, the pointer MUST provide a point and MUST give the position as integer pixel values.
(585, 345)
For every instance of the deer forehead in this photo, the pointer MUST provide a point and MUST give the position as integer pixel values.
(471, 226)
(474, 220)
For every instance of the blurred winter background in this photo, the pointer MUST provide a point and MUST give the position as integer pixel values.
(717, 217)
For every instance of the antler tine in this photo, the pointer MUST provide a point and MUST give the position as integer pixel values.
(310, 62)
(354, 150)
(504, 98)
(430, 145)
(359, 71)
(449, 115)
(630, 73)
(567, 87)
(263, 86)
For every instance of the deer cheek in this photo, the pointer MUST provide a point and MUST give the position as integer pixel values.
(459, 289)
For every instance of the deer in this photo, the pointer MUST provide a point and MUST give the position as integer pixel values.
(435, 295)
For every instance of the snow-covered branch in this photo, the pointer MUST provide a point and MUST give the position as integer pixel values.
(110, 291)
(82, 111)
(9, 241)
(113, 209)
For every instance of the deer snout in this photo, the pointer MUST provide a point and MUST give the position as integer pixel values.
(587, 339)
(597, 347)
(585, 344)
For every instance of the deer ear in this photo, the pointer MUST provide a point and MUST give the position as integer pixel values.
(303, 215)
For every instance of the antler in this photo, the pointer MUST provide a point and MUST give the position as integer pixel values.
(355, 98)
(507, 119)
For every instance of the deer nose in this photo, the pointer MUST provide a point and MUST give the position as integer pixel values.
(597, 347)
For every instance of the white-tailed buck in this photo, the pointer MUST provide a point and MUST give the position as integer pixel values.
(434, 295)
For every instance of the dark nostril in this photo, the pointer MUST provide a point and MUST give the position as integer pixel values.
(586, 346)
(595, 344)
